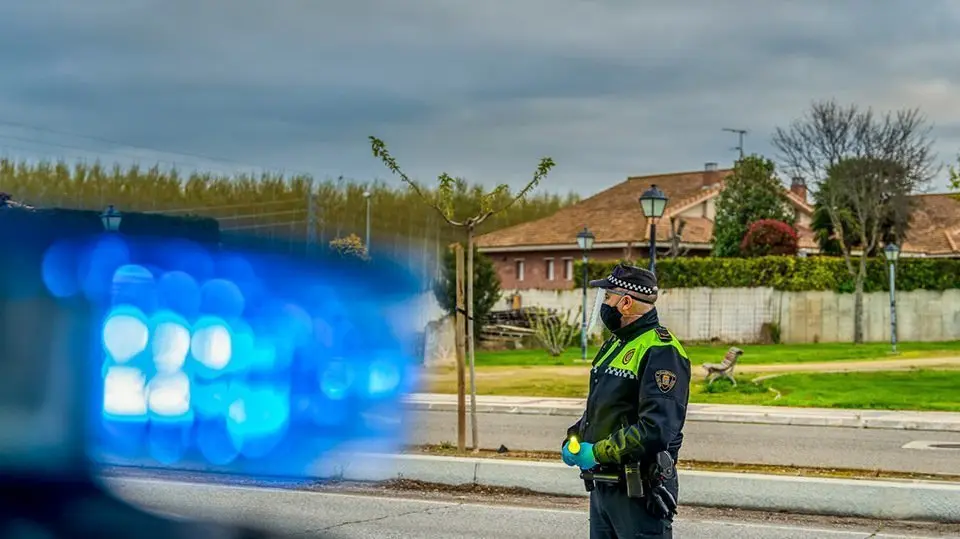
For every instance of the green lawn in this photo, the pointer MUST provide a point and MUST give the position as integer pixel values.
(900, 390)
(906, 390)
(753, 353)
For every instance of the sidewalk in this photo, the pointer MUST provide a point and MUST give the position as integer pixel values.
(721, 413)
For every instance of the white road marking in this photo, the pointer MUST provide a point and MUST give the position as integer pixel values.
(931, 445)
(819, 531)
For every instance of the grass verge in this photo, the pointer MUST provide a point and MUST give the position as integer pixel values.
(796, 471)
(931, 390)
(756, 354)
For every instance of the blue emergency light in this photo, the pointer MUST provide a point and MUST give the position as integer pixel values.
(238, 361)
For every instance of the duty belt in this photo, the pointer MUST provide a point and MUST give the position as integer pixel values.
(649, 486)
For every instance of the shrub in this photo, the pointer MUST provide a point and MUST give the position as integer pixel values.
(352, 245)
(792, 273)
(555, 331)
(769, 237)
(752, 192)
(486, 285)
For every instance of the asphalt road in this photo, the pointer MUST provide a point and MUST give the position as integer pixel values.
(315, 514)
(828, 447)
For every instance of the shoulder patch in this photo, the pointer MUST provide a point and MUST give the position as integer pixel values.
(665, 380)
(664, 334)
(628, 356)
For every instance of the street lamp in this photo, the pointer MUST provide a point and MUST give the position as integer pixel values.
(366, 195)
(585, 242)
(111, 219)
(653, 202)
(892, 254)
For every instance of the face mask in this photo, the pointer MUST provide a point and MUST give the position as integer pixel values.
(610, 316)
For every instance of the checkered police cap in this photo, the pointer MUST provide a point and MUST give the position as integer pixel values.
(641, 281)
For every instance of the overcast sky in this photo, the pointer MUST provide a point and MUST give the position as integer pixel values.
(480, 89)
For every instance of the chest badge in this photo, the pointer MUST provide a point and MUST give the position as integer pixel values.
(628, 356)
(665, 380)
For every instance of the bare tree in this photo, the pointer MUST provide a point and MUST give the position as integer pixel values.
(442, 202)
(863, 167)
(955, 178)
(830, 132)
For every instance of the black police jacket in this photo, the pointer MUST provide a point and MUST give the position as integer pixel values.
(638, 396)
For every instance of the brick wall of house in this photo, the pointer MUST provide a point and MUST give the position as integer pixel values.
(532, 269)
(535, 266)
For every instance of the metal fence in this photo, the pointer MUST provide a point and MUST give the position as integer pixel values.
(297, 224)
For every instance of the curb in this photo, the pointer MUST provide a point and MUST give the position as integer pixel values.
(842, 418)
(874, 499)
(886, 500)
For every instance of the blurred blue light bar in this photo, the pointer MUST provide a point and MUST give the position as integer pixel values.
(239, 361)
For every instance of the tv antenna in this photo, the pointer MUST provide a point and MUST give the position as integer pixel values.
(740, 133)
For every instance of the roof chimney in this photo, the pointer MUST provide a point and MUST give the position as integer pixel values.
(799, 187)
(711, 175)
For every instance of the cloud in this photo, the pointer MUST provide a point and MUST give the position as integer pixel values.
(608, 88)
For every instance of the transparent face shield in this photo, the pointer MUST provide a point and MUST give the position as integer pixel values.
(594, 319)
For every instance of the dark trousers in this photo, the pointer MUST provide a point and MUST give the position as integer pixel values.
(615, 516)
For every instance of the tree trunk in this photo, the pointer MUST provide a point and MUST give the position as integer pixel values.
(858, 300)
(471, 338)
(460, 332)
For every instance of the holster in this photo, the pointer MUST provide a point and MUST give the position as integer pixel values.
(660, 501)
(634, 481)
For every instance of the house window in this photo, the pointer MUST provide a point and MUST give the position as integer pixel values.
(568, 269)
(550, 274)
(519, 268)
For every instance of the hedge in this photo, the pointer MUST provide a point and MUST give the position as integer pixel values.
(192, 227)
(791, 273)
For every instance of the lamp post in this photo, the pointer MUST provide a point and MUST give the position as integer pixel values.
(653, 202)
(111, 219)
(892, 254)
(366, 195)
(585, 242)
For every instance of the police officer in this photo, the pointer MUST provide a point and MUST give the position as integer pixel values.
(628, 439)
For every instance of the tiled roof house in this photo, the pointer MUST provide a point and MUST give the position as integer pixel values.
(540, 254)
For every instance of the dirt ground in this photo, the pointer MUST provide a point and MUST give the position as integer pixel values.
(476, 494)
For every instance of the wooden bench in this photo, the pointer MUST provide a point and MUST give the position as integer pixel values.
(724, 369)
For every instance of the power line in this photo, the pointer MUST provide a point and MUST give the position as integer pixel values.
(214, 159)
(253, 205)
(740, 133)
(82, 150)
(264, 225)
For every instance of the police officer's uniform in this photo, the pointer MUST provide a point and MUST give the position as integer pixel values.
(635, 412)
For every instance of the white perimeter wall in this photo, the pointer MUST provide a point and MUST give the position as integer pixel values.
(737, 314)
